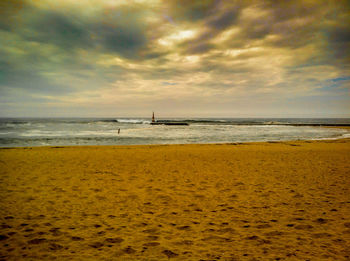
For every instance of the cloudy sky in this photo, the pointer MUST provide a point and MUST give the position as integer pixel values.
(199, 58)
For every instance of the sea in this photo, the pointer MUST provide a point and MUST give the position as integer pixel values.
(28, 132)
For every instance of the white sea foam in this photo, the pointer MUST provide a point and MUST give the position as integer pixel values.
(134, 121)
(139, 131)
(346, 135)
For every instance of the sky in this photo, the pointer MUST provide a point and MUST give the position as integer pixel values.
(178, 58)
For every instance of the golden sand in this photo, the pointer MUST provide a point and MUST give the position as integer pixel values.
(252, 201)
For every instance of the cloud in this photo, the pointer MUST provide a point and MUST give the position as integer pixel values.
(9, 10)
(196, 10)
(174, 53)
(224, 20)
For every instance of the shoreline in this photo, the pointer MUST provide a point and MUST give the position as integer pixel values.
(181, 144)
(238, 201)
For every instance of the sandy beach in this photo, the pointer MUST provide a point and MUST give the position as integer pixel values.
(250, 201)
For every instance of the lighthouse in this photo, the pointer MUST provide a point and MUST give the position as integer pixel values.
(166, 122)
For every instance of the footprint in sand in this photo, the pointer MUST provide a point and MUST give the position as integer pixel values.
(347, 224)
(263, 226)
(321, 235)
(151, 244)
(321, 221)
(169, 253)
(37, 241)
(115, 240)
(151, 231)
(303, 227)
(226, 230)
(54, 247)
(74, 238)
(184, 228)
(129, 250)
(152, 237)
(253, 238)
(56, 231)
(97, 245)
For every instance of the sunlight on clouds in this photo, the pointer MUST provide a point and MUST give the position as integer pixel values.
(192, 58)
(182, 35)
(176, 37)
(236, 52)
(254, 12)
(227, 35)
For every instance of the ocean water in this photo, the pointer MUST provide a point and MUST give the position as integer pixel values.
(134, 131)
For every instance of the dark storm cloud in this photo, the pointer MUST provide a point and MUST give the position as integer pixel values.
(55, 28)
(40, 51)
(122, 39)
(120, 31)
(340, 34)
(338, 37)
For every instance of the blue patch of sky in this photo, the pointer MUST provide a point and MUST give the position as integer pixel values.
(347, 78)
(169, 83)
(335, 85)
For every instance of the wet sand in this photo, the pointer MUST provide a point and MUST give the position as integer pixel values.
(252, 201)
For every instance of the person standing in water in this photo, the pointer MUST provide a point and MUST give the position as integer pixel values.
(119, 131)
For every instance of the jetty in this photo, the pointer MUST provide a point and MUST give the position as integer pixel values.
(167, 122)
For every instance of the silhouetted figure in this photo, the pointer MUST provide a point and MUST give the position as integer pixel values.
(119, 131)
